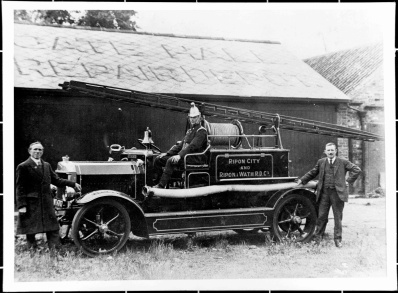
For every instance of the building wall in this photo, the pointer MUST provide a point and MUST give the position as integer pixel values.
(342, 119)
(371, 91)
(83, 127)
(374, 154)
(371, 94)
(351, 149)
(369, 116)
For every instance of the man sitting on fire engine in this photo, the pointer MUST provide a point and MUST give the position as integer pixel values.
(195, 141)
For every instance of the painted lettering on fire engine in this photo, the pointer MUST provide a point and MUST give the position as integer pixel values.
(244, 166)
(244, 161)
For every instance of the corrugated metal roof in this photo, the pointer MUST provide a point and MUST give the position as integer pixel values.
(46, 56)
(348, 68)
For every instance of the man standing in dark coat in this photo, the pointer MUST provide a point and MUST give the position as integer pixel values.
(195, 141)
(332, 189)
(34, 200)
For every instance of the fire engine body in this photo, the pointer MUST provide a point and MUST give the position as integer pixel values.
(245, 189)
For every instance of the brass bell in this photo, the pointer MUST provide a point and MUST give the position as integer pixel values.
(147, 136)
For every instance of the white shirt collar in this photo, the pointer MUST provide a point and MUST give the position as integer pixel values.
(334, 159)
(37, 161)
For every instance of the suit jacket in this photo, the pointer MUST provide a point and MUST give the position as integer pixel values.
(33, 191)
(341, 167)
(195, 141)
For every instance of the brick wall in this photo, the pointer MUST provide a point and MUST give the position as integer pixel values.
(342, 119)
(351, 149)
(369, 156)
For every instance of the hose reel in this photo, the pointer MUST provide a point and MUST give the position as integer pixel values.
(225, 134)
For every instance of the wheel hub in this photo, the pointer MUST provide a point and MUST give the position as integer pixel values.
(103, 228)
(296, 220)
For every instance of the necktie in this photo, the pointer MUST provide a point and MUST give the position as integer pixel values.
(330, 162)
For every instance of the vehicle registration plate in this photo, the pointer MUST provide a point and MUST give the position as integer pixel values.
(59, 203)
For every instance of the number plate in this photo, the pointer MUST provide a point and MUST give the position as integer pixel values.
(59, 203)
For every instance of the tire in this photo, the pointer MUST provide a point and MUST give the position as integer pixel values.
(101, 227)
(294, 219)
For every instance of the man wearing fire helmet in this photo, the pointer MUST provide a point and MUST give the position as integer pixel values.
(195, 141)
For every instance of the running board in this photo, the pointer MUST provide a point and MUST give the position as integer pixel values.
(208, 220)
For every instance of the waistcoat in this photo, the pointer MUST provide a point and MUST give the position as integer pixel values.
(329, 176)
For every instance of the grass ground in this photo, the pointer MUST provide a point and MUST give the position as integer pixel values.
(224, 255)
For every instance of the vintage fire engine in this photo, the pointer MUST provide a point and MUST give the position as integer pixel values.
(244, 189)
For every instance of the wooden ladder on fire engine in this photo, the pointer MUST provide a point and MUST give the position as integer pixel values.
(178, 104)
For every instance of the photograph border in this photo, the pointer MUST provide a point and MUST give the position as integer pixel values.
(388, 283)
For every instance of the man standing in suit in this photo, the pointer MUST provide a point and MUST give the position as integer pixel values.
(34, 199)
(332, 189)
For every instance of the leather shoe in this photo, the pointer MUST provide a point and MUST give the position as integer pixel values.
(338, 244)
(158, 186)
(316, 240)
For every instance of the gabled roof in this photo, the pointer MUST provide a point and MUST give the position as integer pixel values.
(347, 69)
(46, 56)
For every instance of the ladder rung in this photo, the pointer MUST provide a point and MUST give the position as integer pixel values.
(256, 117)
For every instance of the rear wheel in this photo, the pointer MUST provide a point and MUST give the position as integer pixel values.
(101, 227)
(294, 218)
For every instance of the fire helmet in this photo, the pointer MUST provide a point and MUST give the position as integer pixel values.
(194, 111)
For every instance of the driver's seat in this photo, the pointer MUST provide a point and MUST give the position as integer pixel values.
(182, 177)
(205, 154)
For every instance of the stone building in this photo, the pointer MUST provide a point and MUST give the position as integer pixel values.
(358, 72)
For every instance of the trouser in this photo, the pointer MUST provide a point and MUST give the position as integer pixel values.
(53, 239)
(163, 177)
(329, 197)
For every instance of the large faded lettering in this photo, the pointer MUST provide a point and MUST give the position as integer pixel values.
(81, 68)
(143, 59)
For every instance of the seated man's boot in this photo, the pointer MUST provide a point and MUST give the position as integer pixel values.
(164, 180)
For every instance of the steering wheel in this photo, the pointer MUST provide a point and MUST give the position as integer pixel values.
(151, 144)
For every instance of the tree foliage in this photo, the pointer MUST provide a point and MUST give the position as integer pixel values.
(113, 19)
(45, 16)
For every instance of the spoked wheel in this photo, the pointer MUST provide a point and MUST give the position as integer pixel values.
(247, 231)
(294, 218)
(101, 227)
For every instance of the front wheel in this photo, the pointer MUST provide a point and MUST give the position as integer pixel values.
(294, 218)
(101, 227)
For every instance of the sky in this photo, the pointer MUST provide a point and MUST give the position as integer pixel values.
(306, 30)
(305, 33)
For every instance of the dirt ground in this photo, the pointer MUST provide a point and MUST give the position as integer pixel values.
(363, 253)
(361, 214)
(227, 255)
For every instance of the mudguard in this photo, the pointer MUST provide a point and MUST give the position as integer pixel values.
(86, 198)
(277, 196)
(135, 211)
